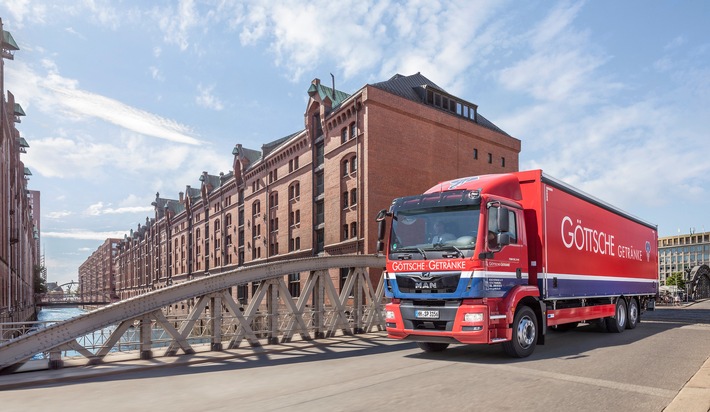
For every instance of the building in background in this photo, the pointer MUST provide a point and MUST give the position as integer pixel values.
(316, 191)
(97, 275)
(681, 253)
(19, 247)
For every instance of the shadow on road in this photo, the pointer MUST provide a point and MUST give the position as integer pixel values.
(573, 344)
(261, 357)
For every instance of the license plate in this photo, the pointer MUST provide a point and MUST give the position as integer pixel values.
(426, 314)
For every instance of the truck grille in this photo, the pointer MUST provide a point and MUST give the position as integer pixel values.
(436, 283)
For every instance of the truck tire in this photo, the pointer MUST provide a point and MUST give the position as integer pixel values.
(633, 314)
(432, 346)
(524, 334)
(617, 323)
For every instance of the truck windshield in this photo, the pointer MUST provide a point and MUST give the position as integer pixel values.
(453, 227)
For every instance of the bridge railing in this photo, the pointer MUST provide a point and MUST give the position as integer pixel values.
(144, 324)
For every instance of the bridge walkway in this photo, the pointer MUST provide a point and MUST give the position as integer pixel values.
(272, 314)
(36, 372)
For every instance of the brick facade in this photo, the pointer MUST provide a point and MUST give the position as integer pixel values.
(19, 251)
(316, 192)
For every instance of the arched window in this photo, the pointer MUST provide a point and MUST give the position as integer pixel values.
(255, 208)
(345, 168)
(345, 200)
(294, 191)
(353, 229)
(353, 164)
(353, 197)
(217, 227)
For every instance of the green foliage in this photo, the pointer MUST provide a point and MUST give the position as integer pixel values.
(676, 279)
(40, 284)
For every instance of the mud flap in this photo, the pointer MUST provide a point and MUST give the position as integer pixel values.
(542, 323)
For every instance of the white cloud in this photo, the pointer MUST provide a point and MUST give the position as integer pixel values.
(80, 234)
(75, 33)
(99, 209)
(80, 156)
(156, 74)
(207, 99)
(177, 23)
(61, 96)
(58, 214)
(577, 125)
(26, 9)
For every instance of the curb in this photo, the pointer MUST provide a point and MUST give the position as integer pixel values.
(695, 394)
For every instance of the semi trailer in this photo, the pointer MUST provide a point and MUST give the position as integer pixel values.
(502, 258)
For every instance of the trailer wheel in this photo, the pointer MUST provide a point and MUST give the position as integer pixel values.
(432, 346)
(617, 323)
(633, 316)
(524, 334)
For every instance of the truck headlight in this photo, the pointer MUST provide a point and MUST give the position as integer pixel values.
(389, 314)
(473, 317)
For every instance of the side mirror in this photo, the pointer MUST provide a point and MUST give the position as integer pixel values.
(498, 226)
(381, 227)
(503, 225)
(503, 239)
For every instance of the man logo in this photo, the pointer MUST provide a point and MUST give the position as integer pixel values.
(424, 285)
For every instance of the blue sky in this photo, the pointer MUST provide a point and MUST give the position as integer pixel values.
(128, 98)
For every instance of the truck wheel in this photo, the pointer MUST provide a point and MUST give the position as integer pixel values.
(617, 323)
(432, 346)
(633, 316)
(524, 334)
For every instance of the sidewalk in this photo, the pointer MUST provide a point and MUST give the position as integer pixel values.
(695, 395)
(36, 373)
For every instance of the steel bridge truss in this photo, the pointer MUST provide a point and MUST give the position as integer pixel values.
(273, 315)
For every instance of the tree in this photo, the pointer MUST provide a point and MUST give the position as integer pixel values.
(40, 283)
(676, 279)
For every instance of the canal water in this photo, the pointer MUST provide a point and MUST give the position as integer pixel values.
(130, 340)
(58, 314)
(50, 316)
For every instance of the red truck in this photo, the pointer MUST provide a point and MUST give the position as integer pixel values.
(501, 258)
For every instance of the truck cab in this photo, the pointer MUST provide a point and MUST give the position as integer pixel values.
(455, 256)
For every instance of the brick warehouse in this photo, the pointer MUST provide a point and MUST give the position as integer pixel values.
(316, 191)
(19, 207)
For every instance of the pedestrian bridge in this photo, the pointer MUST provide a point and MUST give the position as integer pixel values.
(144, 324)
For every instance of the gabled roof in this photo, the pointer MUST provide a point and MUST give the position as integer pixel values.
(193, 193)
(18, 110)
(325, 91)
(408, 86)
(251, 155)
(212, 180)
(269, 147)
(171, 204)
(8, 42)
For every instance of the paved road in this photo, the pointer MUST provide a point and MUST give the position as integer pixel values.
(585, 370)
